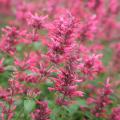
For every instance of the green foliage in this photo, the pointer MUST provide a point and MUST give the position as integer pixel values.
(29, 106)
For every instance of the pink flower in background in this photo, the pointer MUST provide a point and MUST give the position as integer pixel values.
(1, 65)
(42, 112)
(116, 60)
(103, 100)
(115, 114)
(89, 29)
(36, 21)
(9, 40)
(114, 6)
(91, 65)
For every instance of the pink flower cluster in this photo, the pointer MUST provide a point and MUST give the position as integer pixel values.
(115, 114)
(42, 113)
(103, 100)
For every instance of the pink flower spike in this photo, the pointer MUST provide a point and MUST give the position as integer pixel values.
(36, 21)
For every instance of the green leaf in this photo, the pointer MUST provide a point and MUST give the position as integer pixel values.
(29, 105)
(82, 102)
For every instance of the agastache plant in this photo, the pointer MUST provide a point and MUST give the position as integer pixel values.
(103, 100)
(54, 58)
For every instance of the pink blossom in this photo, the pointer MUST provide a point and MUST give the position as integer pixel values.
(103, 100)
(115, 114)
(36, 21)
(41, 113)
